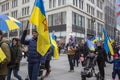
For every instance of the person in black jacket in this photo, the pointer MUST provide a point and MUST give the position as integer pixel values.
(84, 48)
(16, 56)
(101, 58)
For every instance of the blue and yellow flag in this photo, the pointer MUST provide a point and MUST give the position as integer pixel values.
(55, 47)
(107, 45)
(94, 40)
(38, 18)
(90, 45)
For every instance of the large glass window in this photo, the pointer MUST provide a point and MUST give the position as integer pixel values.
(81, 4)
(57, 19)
(50, 3)
(14, 3)
(25, 1)
(61, 2)
(78, 20)
(75, 2)
(100, 26)
(14, 14)
(25, 11)
(89, 23)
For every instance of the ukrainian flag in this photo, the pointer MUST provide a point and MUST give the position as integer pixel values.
(94, 40)
(107, 45)
(55, 47)
(38, 18)
(90, 45)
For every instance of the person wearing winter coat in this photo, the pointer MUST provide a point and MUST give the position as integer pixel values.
(101, 58)
(6, 49)
(33, 56)
(16, 56)
(116, 66)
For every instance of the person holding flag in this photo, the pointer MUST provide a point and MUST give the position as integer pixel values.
(33, 55)
(40, 42)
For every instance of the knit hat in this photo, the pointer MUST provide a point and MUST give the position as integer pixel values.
(115, 55)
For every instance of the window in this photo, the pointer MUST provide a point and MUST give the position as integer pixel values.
(3, 8)
(54, 3)
(100, 4)
(90, 10)
(14, 3)
(99, 15)
(50, 3)
(78, 20)
(14, 14)
(100, 26)
(61, 2)
(57, 19)
(89, 23)
(7, 5)
(25, 1)
(81, 4)
(25, 11)
(75, 2)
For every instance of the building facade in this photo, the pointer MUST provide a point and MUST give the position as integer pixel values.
(110, 18)
(81, 17)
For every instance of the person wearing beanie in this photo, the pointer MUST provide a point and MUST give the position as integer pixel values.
(116, 66)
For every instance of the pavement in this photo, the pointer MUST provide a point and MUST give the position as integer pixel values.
(60, 68)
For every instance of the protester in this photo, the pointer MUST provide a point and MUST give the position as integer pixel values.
(116, 66)
(6, 49)
(84, 48)
(16, 56)
(70, 52)
(33, 55)
(101, 58)
(77, 55)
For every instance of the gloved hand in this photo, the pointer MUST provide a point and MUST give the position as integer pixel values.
(25, 32)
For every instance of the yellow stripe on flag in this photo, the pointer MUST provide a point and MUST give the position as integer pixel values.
(110, 48)
(2, 55)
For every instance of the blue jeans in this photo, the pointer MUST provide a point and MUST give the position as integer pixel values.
(15, 73)
(33, 70)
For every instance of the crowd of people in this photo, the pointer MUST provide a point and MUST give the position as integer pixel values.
(78, 53)
(13, 50)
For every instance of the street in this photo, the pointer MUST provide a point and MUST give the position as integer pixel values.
(60, 68)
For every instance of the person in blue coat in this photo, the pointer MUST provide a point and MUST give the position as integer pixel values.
(116, 66)
(34, 57)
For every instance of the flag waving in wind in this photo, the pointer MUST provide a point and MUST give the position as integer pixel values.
(107, 45)
(38, 18)
(55, 47)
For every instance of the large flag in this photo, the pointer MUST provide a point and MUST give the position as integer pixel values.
(90, 45)
(55, 47)
(38, 18)
(107, 45)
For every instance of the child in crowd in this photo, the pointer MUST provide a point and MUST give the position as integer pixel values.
(116, 66)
